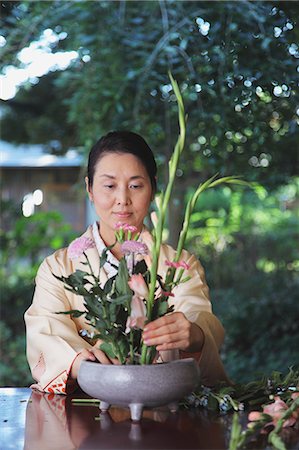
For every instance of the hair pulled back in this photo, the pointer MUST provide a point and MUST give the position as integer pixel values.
(123, 142)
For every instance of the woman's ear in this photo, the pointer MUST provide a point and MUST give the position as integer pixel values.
(88, 190)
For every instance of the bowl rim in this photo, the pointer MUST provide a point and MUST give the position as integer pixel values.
(155, 366)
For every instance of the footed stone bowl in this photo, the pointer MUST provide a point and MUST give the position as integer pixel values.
(137, 386)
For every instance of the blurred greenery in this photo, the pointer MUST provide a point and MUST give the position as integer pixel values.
(23, 245)
(248, 242)
(236, 64)
(235, 61)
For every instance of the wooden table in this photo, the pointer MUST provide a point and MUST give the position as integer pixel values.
(35, 421)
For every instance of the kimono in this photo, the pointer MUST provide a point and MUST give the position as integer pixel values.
(54, 340)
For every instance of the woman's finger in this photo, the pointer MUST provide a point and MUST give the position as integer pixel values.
(167, 326)
(173, 339)
(84, 355)
(162, 330)
(177, 319)
(101, 356)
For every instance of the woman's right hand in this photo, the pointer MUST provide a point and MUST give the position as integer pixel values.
(94, 354)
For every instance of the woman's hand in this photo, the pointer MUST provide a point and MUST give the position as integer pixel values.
(94, 354)
(174, 331)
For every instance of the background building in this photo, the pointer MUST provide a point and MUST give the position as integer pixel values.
(39, 181)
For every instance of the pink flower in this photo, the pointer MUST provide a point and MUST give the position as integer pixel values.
(275, 410)
(177, 265)
(134, 247)
(125, 227)
(167, 294)
(79, 246)
(138, 314)
(253, 416)
(138, 285)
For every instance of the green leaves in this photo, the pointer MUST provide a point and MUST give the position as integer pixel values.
(75, 280)
(160, 308)
(108, 349)
(72, 312)
(107, 307)
(122, 278)
(103, 256)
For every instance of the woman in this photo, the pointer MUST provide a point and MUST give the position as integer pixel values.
(121, 182)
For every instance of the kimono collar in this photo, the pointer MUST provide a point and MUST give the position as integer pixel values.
(145, 237)
(111, 260)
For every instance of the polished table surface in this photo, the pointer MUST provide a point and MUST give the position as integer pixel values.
(34, 421)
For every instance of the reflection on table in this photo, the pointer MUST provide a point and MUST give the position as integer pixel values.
(54, 422)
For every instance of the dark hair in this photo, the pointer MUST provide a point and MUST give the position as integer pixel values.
(123, 142)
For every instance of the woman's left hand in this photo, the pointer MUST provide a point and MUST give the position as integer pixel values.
(173, 331)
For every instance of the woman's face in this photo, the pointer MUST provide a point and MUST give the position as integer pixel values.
(121, 192)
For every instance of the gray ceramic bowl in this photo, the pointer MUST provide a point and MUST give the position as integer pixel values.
(139, 386)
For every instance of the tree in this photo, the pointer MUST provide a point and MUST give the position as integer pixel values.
(235, 62)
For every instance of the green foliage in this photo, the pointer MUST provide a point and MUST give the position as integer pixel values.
(248, 243)
(222, 398)
(260, 317)
(227, 56)
(107, 308)
(23, 246)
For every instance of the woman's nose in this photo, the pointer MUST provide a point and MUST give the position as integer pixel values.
(123, 197)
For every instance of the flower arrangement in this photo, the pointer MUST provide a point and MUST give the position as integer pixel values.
(119, 310)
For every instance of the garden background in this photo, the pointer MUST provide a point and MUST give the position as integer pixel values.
(237, 66)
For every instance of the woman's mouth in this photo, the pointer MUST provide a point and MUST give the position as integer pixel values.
(123, 215)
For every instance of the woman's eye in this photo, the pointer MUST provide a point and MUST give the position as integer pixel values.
(135, 186)
(108, 186)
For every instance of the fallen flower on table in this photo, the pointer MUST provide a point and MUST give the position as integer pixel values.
(275, 411)
(275, 394)
(283, 416)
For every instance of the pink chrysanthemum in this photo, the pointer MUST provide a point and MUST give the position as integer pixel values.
(79, 246)
(134, 247)
(177, 265)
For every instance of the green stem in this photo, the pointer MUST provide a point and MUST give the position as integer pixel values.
(90, 268)
(173, 163)
(143, 354)
(211, 182)
(132, 347)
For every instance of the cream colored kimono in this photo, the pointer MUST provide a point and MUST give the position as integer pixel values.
(53, 340)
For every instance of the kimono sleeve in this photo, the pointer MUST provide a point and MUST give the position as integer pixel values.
(53, 341)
